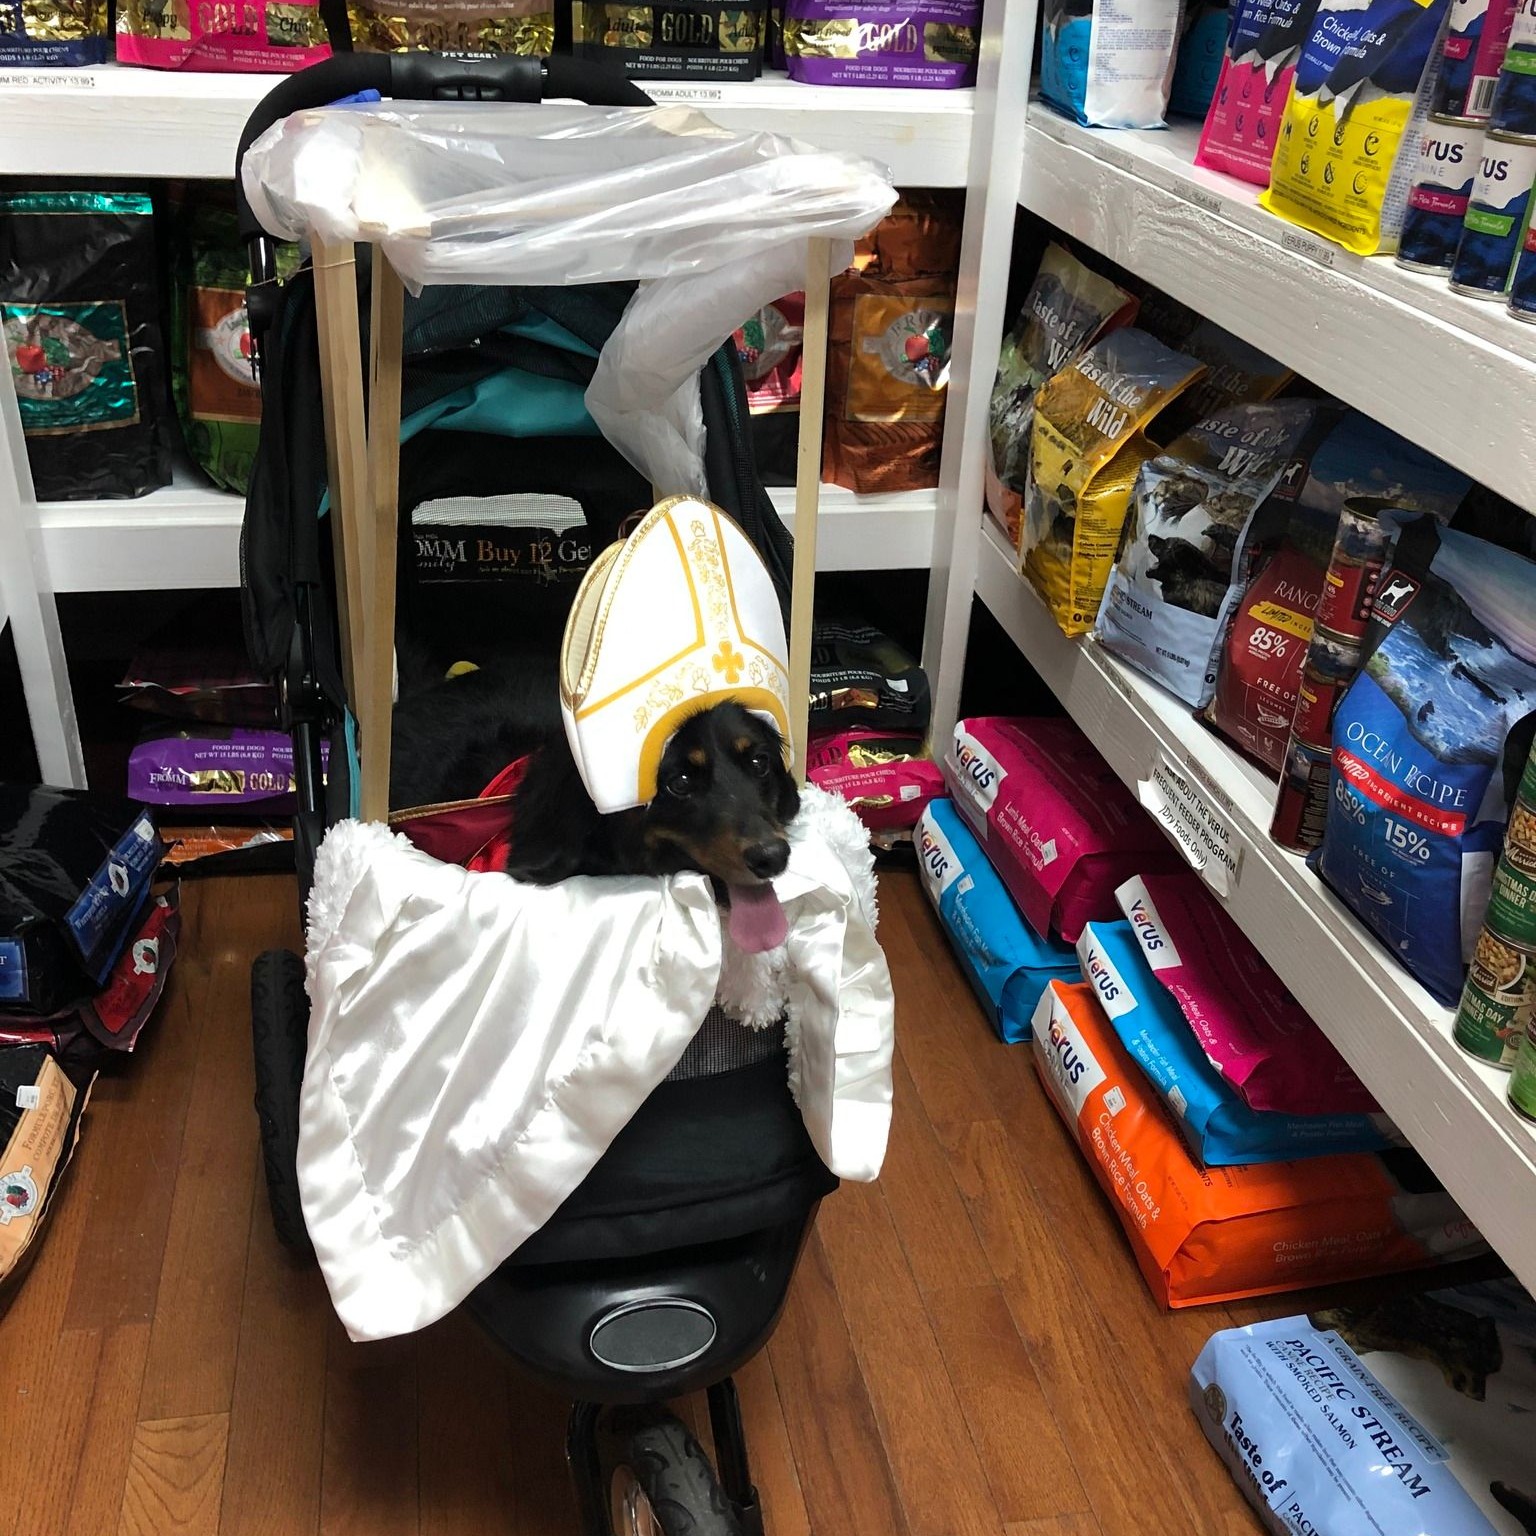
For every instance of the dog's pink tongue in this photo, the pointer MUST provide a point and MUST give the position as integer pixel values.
(757, 921)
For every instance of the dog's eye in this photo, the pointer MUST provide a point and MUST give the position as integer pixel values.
(759, 764)
(680, 785)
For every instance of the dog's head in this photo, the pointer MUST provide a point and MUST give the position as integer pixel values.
(723, 799)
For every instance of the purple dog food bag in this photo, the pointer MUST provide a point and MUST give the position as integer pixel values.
(215, 769)
(1256, 1035)
(882, 42)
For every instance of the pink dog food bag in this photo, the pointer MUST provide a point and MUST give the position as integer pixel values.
(1058, 826)
(1250, 1027)
(1264, 40)
(885, 776)
(248, 37)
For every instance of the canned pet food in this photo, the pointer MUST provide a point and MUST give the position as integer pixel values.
(1522, 1077)
(1512, 902)
(1496, 1003)
(1498, 213)
(1474, 47)
(1449, 150)
(1301, 808)
(1522, 285)
(1514, 97)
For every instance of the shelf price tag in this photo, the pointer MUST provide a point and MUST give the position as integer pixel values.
(1201, 829)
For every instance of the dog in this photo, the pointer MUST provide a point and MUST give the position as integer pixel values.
(724, 794)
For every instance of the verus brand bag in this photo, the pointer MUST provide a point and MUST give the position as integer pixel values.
(1005, 960)
(1061, 830)
(1215, 1234)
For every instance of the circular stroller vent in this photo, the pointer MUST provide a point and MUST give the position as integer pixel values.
(654, 1335)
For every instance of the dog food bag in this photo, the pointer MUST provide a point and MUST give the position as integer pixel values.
(67, 33)
(75, 870)
(79, 300)
(1236, 374)
(890, 325)
(216, 768)
(1058, 826)
(1069, 306)
(1264, 40)
(1424, 768)
(274, 37)
(679, 40)
(1188, 541)
(1247, 1023)
(1107, 63)
(1408, 1414)
(212, 375)
(1362, 75)
(1086, 447)
(1216, 1234)
(861, 677)
(1217, 1126)
(768, 346)
(1202, 51)
(887, 777)
(40, 1109)
(1005, 960)
(197, 680)
(882, 42)
(1259, 677)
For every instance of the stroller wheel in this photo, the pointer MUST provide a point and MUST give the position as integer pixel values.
(279, 1033)
(660, 1482)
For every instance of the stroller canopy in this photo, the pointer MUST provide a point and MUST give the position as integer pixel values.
(711, 224)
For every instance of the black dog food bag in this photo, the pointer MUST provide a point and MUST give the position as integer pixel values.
(861, 677)
(81, 310)
(75, 871)
(682, 40)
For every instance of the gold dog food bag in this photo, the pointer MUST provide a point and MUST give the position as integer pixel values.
(1086, 447)
(1337, 170)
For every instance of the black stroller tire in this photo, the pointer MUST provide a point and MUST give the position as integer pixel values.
(279, 1035)
(652, 1464)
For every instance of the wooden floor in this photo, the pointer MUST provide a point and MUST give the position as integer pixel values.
(967, 1348)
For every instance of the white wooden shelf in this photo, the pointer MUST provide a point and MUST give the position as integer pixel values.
(1454, 374)
(1395, 1036)
(115, 120)
(188, 536)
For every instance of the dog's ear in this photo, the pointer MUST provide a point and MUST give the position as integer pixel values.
(556, 830)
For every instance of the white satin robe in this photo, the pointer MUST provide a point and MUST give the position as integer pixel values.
(476, 1044)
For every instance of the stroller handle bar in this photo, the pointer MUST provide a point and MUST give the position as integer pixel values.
(429, 77)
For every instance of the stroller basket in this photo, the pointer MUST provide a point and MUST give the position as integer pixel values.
(667, 1267)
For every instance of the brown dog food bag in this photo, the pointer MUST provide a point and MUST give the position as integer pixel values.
(892, 321)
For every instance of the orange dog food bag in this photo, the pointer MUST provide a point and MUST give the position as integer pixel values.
(1217, 1234)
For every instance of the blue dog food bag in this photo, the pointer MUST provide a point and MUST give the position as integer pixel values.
(1419, 791)
(1410, 1416)
(1220, 1130)
(1109, 63)
(1007, 962)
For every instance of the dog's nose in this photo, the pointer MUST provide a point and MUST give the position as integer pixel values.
(767, 859)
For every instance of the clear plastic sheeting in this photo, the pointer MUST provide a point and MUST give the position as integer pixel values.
(712, 224)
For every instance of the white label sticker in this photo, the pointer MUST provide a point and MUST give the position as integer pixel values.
(1201, 830)
(1118, 158)
(1303, 245)
(658, 91)
(937, 860)
(1100, 972)
(46, 80)
(977, 772)
(1156, 947)
(1114, 1101)
(1207, 200)
(28, 1096)
(1072, 1071)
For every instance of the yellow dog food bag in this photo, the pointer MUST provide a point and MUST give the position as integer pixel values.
(1217, 1234)
(1362, 77)
(1086, 446)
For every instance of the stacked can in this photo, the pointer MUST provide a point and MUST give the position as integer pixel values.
(1498, 216)
(1449, 151)
(1522, 1076)
(1522, 285)
(1498, 1000)
(1476, 39)
(1360, 549)
(1513, 110)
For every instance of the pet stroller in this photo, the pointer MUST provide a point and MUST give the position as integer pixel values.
(668, 1267)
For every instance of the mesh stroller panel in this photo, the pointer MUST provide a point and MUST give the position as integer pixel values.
(723, 1044)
